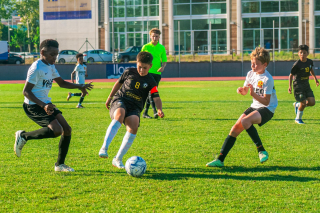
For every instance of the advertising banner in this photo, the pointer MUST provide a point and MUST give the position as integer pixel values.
(66, 9)
(116, 70)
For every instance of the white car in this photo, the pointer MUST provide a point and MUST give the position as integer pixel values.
(66, 56)
(97, 56)
(24, 55)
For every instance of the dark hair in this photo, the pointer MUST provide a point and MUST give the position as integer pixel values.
(79, 55)
(304, 47)
(144, 57)
(48, 43)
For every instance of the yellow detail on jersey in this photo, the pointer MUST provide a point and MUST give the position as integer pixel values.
(137, 85)
(307, 69)
(260, 84)
(131, 95)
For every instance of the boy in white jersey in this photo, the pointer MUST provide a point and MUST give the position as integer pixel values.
(81, 73)
(261, 86)
(39, 108)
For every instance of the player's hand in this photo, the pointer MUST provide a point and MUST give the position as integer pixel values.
(108, 101)
(251, 89)
(317, 83)
(160, 69)
(240, 90)
(49, 108)
(160, 113)
(86, 87)
(289, 90)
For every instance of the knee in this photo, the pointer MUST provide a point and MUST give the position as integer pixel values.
(57, 132)
(132, 130)
(311, 103)
(245, 123)
(67, 130)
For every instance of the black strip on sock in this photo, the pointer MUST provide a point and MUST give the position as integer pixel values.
(253, 133)
(77, 94)
(226, 147)
(80, 101)
(63, 149)
(44, 132)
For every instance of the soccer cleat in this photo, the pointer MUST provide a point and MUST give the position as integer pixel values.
(117, 163)
(63, 168)
(146, 116)
(155, 115)
(103, 153)
(295, 107)
(80, 106)
(69, 96)
(215, 163)
(19, 143)
(299, 121)
(263, 155)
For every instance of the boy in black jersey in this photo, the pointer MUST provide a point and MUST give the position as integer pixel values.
(126, 102)
(303, 94)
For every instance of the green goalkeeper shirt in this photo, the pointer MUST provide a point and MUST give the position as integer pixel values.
(159, 55)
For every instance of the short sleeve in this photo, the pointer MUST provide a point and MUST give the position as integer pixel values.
(77, 68)
(123, 77)
(164, 55)
(246, 82)
(311, 63)
(269, 86)
(144, 48)
(33, 75)
(55, 73)
(294, 69)
(153, 88)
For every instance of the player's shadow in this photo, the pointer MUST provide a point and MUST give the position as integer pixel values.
(90, 172)
(226, 173)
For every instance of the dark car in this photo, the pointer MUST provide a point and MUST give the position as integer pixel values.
(15, 59)
(130, 54)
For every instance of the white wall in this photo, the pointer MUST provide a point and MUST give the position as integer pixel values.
(71, 33)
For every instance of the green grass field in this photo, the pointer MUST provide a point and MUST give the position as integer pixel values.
(199, 116)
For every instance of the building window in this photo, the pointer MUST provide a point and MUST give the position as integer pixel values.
(249, 6)
(317, 32)
(317, 4)
(199, 7)
(251, 23)
(291, 5)
(101, 12)
(269, 6)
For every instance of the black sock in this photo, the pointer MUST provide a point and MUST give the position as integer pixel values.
(153, 107)
(63, 149)
(80, 101)
(44, 132)
(253, 133)
(147, 107)
(226, 147)
(77, 94)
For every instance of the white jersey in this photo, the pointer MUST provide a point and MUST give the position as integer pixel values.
(80, 73)
(41, 75)
(262, 84)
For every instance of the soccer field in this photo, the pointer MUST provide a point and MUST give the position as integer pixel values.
(198, 117)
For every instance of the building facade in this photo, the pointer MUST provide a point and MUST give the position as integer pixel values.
(191, 26)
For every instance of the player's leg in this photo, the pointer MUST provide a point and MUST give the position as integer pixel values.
(80, 101)
(148, 102)
(72, 94)
(157, 78)
(261, 116)
(63, 145)
(39, 116)
(132, 124)
(228, 143)
(117, 114)
(300, 104)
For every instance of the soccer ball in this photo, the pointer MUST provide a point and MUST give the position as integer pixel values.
(136, 166)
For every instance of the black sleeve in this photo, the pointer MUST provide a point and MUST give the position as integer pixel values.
(311, 62)
(154, 89)
(123, 76)
(295, 68)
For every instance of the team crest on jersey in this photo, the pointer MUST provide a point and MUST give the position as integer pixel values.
(260, 84)
(145, 85)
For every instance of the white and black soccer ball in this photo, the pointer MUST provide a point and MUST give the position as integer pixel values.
(136, 166)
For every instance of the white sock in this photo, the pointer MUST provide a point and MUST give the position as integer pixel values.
(298, 104)
(111, 132)
(299, 114)
(126, 144)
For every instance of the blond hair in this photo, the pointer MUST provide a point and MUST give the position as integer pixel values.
(261, 54)
(155, 30)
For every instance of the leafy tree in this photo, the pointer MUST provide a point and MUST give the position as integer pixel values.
(18, 38)
(6, 8)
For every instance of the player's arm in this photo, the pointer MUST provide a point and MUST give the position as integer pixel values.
(27, 92)
(243, 90)
(315, 77)
(114, 90)
(72, 80)
(65, 84)
(265, 99)
(290, 83)
(156, 98)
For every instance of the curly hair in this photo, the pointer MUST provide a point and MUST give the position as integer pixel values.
(145, 57)
(261, 54)
(49, 43)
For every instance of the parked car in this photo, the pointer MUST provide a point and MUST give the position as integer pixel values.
(15, 59)
(4, 51)
(130, 54)
(24, 55)
(66, 56)
(97, 56)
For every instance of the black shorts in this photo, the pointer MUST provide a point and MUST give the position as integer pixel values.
(129, 108)
(39, 115)
(266, 114)
(156, 77)
(301, 94)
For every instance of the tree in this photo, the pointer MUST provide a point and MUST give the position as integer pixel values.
(6, 8)
(18, 38)
(36, 39)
